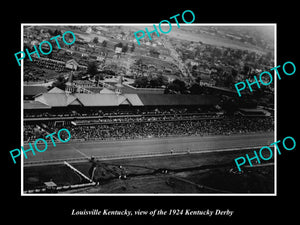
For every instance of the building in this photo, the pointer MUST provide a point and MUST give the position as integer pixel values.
(100, 58)
(70, 88)
(119, 94)
(171, 77)
(62, 100)
(116, 84)
(72, 64)
(83, 83)
(29, 91)
(119, 86)
(153, 53)
(118, 51)
(89, 30)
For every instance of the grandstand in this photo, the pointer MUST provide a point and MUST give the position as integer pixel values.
(110, 126)
(131, 116)
(118, 126)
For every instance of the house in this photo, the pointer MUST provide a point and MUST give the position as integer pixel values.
(81, 49)
(34, 42)
(170, 77)
(69, 52)
(100, 58)
(72, 64)
(194, 63)
(154, 53)
(46, 35)
(167, 71)
(88, 30)
(118, 50)
(84, 55)
(61, 52)
(83, 83)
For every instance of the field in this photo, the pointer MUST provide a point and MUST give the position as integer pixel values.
(185, 33)
(150, 168)
(214, 40)
(190, 173)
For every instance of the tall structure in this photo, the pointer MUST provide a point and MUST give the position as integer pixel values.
(70, 88)
(119, 86)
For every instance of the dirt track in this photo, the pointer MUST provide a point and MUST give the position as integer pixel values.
(144, 147)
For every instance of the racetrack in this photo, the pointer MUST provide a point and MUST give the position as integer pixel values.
(144, 147)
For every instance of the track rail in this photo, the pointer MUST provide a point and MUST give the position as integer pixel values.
(138, 155)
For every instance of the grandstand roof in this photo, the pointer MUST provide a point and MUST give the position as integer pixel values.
(34, 90)
(100, 99)
(35, 105)
(56, 99)
(112, 99)
(169, 99)
(56, 90)
(134, 99)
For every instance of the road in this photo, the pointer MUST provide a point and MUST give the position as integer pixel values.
(144, 147)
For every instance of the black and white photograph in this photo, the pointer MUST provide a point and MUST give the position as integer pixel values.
(149, 112)
(148, 109)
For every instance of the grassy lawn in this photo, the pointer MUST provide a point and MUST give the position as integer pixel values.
(186, 173)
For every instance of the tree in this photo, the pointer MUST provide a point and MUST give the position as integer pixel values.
(132, 47)
(141, 82)
(246, 69)
(95, 40)
(50, 32)
(120, 45)
(176, 86)
(125, 48)
(92, 68)
(162, 80)
(57, 32)
(59, 83)
(139, 62)
(104, 43)
(158, 81)
(228, 81)
(180, 84)
(154, 83)
(194, 73)
(98, 77)
(196, 89)
(234, 72)
(197, 80)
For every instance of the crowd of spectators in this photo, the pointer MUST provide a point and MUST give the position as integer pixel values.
(131, 130)
(146, 129)
(119, 112)
(123, 123)
(32, 132)
(148, 118)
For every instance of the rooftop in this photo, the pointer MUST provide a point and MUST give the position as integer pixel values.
(34, 90)
(112, 99)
